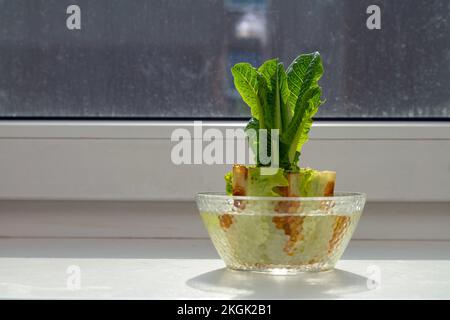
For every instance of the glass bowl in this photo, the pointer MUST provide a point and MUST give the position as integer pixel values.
(280, 235)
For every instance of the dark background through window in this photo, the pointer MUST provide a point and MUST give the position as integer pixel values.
(171, 58)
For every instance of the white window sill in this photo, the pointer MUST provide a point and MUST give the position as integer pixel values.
(190, 269)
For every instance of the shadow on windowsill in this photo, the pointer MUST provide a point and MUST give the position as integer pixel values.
(249, 285)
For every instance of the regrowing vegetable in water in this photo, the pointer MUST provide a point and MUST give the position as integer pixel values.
(258, 233)
(284, 100)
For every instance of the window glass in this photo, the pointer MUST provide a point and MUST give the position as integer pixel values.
(171, 58)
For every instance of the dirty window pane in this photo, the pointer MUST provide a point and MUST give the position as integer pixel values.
(171, 58)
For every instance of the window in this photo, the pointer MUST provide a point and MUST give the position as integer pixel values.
(171, 59)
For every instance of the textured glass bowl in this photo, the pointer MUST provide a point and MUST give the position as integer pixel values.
(280, 235)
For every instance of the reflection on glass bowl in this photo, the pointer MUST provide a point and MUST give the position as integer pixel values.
(280, 235)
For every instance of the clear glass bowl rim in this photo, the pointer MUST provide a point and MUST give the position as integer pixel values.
(338, 196)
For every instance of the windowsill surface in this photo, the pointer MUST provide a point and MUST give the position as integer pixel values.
(190, 269)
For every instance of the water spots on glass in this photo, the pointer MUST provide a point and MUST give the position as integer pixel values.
(156, 58)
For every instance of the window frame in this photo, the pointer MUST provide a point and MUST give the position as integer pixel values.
(130, 160)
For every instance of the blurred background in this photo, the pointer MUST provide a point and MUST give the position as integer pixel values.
(171, 58)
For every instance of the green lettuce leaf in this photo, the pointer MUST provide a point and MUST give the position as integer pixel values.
(285, 110)
(277, 93)
(267, 114)
(229, 183)
(298, 130)
(247, 84)
(260, 183)
(306, 177)
(313, 183)
(271, 87)
(253, 137)
(264, 185)
(304, 73)
(283, 100)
